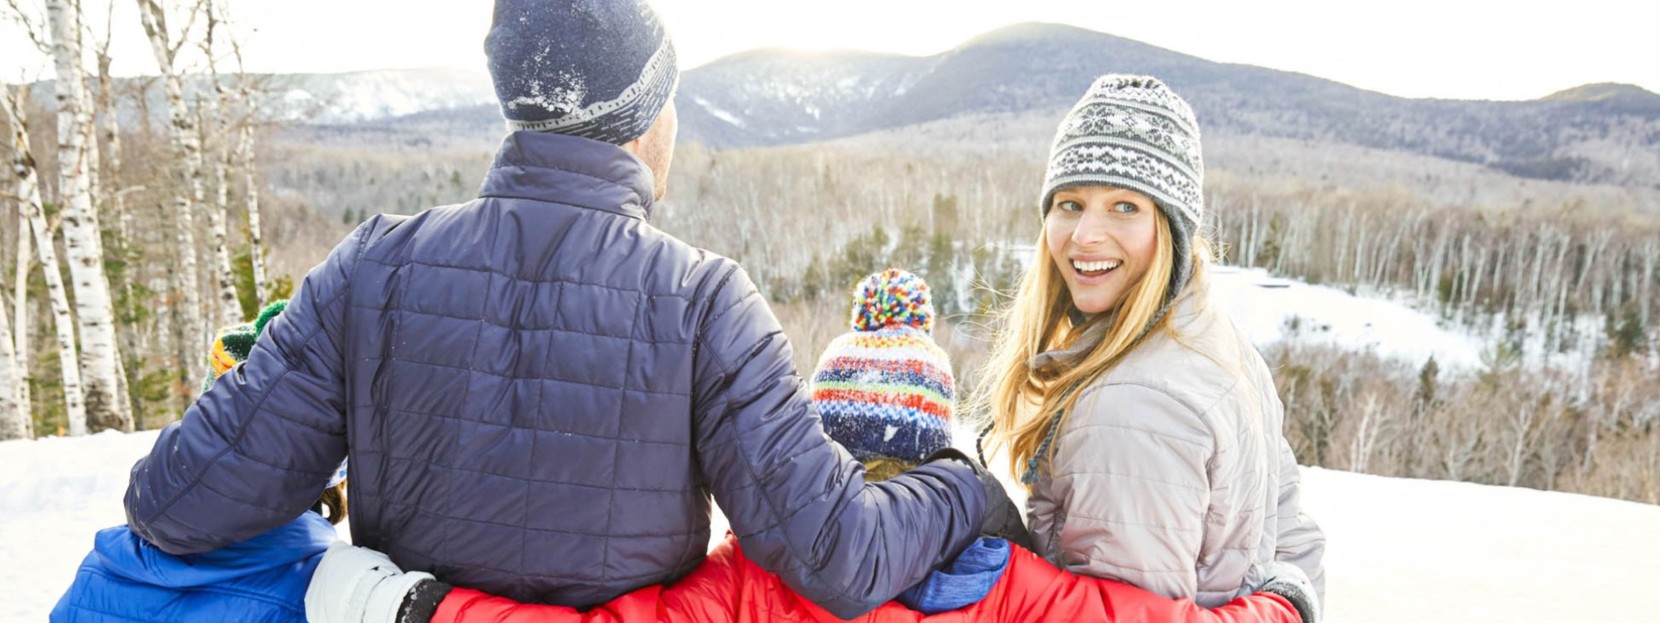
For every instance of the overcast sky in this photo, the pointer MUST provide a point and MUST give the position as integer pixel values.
(1517, 49)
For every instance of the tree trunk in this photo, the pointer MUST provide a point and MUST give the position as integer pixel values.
(14, 415)
(226, 310)
(250, 187)
(182, 133)
(28, 192)
(106, 405)
(20, 298)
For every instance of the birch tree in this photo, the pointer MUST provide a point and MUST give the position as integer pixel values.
(187, 149)
(14, 405)
(227, 310)
(14, 415)
(250, 185)
(106, 403)
(28, 192)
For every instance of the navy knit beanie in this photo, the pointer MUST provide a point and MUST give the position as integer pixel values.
(599, 69)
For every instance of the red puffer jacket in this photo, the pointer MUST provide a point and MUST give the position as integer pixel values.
(728, 588)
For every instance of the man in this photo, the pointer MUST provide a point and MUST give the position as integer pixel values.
(539, 390)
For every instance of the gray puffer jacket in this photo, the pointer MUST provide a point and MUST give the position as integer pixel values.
(539, 392)
(1172, 473)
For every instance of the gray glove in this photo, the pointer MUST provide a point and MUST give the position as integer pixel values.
(1289, 581)
(1002, 518)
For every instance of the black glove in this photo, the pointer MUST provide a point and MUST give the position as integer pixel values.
(1289, 581)
(1002, 518)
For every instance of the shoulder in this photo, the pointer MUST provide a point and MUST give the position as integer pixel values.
(1200, 360)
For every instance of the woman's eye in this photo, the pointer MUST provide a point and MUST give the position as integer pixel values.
(1070, 206)
(1125, 207)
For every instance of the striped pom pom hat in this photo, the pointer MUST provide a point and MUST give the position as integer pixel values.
(886, 390)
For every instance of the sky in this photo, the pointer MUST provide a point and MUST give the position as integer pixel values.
(1462, 49)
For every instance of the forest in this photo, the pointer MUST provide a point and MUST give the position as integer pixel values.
(138, 215)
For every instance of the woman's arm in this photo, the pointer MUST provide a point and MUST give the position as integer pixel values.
(1301, 541)
(1131, 473)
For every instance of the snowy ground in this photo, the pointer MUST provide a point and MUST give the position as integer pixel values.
(1399, 550)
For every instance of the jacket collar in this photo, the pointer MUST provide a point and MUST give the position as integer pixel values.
(557, 168)
(1183, 313)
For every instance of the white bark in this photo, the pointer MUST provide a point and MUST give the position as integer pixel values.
(250, 188)
(29, 195)
(14, 416)
(14, 409)
(187, 148)
(20, 297)
(106, 404)
(217, 116)
(226, 310)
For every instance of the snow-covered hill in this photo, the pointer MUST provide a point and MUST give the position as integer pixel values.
(374, 95)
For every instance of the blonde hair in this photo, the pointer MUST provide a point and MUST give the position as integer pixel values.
(1024, 404)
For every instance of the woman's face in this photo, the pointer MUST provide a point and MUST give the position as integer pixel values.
(1102, 240)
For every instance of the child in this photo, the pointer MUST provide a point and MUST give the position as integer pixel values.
(262, 579)
(1144, 423)
(886, 393)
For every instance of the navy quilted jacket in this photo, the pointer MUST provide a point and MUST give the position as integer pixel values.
(539, 391)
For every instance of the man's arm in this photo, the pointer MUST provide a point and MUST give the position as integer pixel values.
(798, 502)
(254, 452)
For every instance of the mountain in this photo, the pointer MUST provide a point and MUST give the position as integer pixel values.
(1010, 86)
(374, 95)
(1596, 133)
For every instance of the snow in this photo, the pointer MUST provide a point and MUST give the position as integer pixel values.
(1398, 550)
(718, 112)
(1271, 310)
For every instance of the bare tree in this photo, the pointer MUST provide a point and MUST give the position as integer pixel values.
(188, 150)
(106, 403)
(250, 185)
(23, 164)
(14, 414)
(14, 407)
(215, 116)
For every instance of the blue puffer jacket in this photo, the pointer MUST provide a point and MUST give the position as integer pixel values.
(261, 580)
(540, 391)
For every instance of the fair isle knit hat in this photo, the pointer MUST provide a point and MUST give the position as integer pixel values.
(598, 69)
(886, 390)
(1133, 132)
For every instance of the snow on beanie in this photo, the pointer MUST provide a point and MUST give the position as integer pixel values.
(885, 390)
(1133, 132)
(598, 69)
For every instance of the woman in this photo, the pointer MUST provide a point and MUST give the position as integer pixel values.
(1144, 423)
